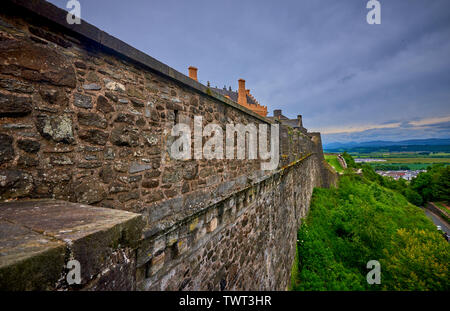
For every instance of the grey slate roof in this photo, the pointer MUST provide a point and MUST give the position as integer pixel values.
(233, 95)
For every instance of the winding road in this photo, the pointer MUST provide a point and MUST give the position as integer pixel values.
(438, 221)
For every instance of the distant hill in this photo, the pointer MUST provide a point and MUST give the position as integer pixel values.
(381, 143)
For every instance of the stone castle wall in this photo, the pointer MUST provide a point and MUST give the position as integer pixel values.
(85, 118)
(246, 241)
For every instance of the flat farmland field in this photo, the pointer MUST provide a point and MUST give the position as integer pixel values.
(416, 160)
(404, 160)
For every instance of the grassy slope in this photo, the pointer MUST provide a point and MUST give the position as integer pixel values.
(334, 162)
(363, 221)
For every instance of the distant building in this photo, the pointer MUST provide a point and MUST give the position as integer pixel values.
(360, 160)
(407, 175)
(243, 96)
(294, 123)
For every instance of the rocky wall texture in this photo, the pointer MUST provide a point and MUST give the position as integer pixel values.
(245, 242)
(81, 125)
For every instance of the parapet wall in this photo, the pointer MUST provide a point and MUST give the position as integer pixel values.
(85, 118)
(244, 242)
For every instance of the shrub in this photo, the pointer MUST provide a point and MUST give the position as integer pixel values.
(362, 221)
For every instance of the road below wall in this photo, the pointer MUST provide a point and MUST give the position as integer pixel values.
(438, 221)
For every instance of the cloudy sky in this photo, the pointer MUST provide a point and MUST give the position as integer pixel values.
(350, 80)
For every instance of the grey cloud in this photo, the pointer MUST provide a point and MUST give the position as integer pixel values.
(403, 132)
(318, 58)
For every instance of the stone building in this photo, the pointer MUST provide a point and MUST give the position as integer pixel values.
(294, 123)
(243, 96)
(85, 173)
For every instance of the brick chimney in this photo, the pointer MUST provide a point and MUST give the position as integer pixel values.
(193, 73)
(277, 113)
(299, 120)
(242, 94)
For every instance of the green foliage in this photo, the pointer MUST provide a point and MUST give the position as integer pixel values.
(417, 260)
(334, 162)
(413, 197)
(371, 175)
(362, 221)
(434, 185)
(294, 271)
(350, 161)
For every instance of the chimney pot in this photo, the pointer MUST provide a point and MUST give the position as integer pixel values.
(300, 120)
(193, 73)
(277, 113)
(242, 94)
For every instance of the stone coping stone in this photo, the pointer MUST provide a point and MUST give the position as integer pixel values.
(38, 237)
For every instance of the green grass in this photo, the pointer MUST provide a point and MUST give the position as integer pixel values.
(440, 154)
(416, 160)
(399, 155)
(294, 271)
(334, 162)
(399, 166)
(362, 221)
(411, 160)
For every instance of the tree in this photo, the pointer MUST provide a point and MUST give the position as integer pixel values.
(422, 184)
(416, 260)
(443, 185)
(413, 197)
(349, 160)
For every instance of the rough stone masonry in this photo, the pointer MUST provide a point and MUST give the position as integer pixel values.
(85, 118)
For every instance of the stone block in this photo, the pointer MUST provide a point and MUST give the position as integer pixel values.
(92, 87)
(56, 128)
(157, 263)
(83, 101)
(138, 167)
(100, 239)
(28, 145)
(23, 59)
(6, 148)
(28, 260)
(103, 105)
(114, 86)
(212, 225)
(96, 137)
(17, 86)
(89, 191)
(53, 96)
(91, 119)
(123, 135)
(161, 210)
(15, 105)
(15, 184)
